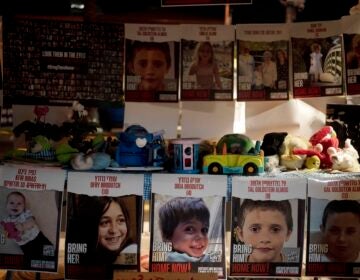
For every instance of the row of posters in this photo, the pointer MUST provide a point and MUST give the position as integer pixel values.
(187, 225)
(165, 63)
(271, 60)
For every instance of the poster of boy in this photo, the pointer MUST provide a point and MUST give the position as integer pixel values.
(30, 229)
(333, 241)
(267, 226)
(104, 219)
(207, 62)
(187, 224)
(151, 64)
(351, 35)
(317, 59)
(263, 62)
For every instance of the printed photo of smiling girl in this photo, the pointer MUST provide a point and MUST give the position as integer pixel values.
(184, 222)
(105, 226)
(265, 226)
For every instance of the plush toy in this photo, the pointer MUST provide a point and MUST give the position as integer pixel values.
(312, 162)
(345, 159)
(271, 145)
(92, 161)
(288, 158)
(321, 141)
(11, 230)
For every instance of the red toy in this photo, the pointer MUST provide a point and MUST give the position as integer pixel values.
(321, 141)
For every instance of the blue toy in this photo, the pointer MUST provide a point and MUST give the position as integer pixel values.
(138, 147)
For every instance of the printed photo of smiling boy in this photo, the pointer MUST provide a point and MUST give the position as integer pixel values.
(188, 230)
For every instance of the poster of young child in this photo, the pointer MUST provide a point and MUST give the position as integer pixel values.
(333, 239)
(207, 62)
(30, 228)
(351, 35)
(152, 62)
(104, 221)
(317, 59)
(267, 226)
(263, 62)
(188, 224)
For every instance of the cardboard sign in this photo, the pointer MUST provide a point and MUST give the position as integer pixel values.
(119, 275)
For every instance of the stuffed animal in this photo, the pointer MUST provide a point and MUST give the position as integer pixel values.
(271, 145)
(11, 230)
(321, 141)
(288, 158)
(92, 161)
(345, 159)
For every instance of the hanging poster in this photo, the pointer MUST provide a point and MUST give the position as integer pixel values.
(30, 228)
(263, 62)
(57, 62)
(104, 218)
(317, 59)
(267, 226)
(333, 240)
(351, 33)
(188, 224)
(152, 62)
(207, 53)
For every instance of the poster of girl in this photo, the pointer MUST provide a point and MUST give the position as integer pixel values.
(317, 59)
(30, 228)
(103, 231)
(207, 62)
(151, 67)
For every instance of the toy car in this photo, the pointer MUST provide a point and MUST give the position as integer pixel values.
(249, 162)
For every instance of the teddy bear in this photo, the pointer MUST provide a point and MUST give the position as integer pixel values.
(345, 159)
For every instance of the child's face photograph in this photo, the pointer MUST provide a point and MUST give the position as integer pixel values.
(15, 205)
(191, 237)
(266, 231)
(342, 234)
(151, 65)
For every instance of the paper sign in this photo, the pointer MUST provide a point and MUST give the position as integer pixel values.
(119, 275)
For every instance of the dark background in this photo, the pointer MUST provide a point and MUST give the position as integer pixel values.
(260, 11)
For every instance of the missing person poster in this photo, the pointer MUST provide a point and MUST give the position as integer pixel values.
(267, 226)
(351, 35)
(263, 62)
(317, 59)
(30, 228)
(207, 53)
(152, 62)
(333, 241)
(188, 224)
(104, 218)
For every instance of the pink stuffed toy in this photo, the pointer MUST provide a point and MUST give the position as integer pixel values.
(11, 230)
(321, 141)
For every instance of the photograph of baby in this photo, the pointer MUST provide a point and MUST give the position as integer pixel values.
(188, 229)
(334, 231)
(272, 231)
(30, 229)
